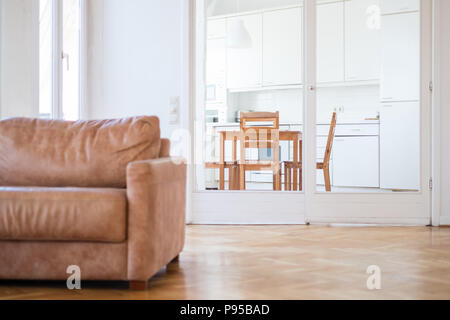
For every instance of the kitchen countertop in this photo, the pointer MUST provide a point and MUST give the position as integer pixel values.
(236, 124)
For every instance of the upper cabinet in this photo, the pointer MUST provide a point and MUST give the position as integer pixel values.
(217, 29)
(244, 64)
(282, 47)
(363, 40)
(397, 6)
(400, 77)
(357, 41)
(330, 42)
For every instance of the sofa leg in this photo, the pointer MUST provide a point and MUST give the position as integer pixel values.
(138, 285)
(175, 260)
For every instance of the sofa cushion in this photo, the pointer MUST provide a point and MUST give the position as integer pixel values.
(49, 153)
(63, 214)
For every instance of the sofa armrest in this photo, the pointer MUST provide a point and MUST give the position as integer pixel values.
(164, 151)
(156, 192)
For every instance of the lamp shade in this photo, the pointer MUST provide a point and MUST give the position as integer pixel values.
(238, 36)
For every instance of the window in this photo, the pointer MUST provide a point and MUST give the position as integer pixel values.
(59, 58)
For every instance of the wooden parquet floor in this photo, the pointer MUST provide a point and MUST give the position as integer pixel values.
(284, 262)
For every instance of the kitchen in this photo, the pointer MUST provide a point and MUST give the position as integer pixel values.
(368, 73)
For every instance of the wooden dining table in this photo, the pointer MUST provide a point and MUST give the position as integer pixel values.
(296, 137)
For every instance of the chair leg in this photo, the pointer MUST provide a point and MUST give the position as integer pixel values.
(326, 174)
(280, 179)
(285, 178)
(300, 173)
(289, 180)
(234, 178)
(138, 285)
(241, 177)
(274, 184)
(277, 178)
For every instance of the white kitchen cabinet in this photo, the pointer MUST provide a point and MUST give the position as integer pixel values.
(356, 162)
(362, 40)
(217, 29)
(400, 146)
(400, 76)
(282, 47)
(216, 62)
(244, 65)
(330, 42)
(397, 6)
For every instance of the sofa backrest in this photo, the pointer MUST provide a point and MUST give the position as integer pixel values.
(51, 153)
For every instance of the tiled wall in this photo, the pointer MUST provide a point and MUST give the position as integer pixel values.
(353, 104)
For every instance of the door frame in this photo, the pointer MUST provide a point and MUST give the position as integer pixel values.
(312, 206)
(436, 121)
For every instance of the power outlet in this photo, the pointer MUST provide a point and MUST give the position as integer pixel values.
(340, 109)
(174, 110)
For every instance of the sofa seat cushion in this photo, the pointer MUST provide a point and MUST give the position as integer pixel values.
(63, 214)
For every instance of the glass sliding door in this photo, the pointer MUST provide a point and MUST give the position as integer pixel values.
(368, 77)
(254, 58)
(370, 157)
(351, 77)
(250, 66)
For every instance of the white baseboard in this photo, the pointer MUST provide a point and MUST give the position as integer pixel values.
(373, 221)
(445, 220)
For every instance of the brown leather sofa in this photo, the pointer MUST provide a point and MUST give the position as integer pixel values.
(101, 195)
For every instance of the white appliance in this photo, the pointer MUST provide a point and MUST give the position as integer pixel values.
(400, 145)
(400, 97)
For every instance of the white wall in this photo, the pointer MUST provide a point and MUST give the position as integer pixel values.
(17, 59)
(358, 103)
(444, 72)
(135, 59)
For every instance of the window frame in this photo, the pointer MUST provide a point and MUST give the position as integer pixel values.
(57, 59)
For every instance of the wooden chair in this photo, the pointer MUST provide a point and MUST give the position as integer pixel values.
(260, 130)
(232, 166)
(289, 166)
(233, 173)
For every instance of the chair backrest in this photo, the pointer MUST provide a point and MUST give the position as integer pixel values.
(260, 129)
(260, 120)
(328, 150)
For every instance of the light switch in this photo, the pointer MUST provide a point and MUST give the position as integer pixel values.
(174, 110)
